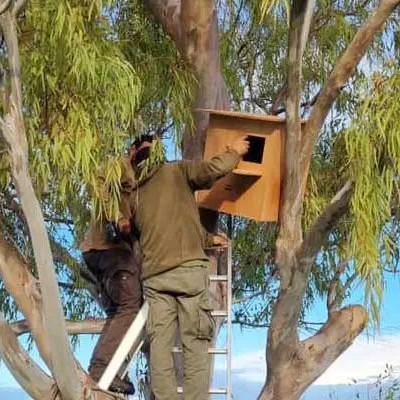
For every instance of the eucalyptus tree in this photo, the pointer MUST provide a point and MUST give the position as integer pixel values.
(93, 74)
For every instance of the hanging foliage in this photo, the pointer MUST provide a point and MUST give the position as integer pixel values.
(373, 146)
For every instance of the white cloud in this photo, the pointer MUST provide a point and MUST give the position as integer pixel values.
(363, 361)
(249, 366)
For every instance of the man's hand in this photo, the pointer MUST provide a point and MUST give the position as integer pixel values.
(241, 146)
(124, 226)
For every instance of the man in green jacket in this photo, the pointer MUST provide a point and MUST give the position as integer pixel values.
(174, 266)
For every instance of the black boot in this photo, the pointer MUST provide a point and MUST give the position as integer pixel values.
(124, 386)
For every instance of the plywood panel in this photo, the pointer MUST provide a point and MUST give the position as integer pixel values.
(254, 191)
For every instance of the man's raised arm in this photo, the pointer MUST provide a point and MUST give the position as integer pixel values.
(202, 174)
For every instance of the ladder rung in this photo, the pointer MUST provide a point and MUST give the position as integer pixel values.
(212, 350)
(218, 278)
(219, 313)
(211, 391)
(217, 391)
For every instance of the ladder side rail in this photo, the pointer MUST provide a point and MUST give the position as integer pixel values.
(229, 324)
(132, 339)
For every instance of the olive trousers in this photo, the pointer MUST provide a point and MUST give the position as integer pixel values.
(179, 299)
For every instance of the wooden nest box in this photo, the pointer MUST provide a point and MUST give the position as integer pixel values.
(252, 190)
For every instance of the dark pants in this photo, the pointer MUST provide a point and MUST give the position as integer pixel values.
(121, 296)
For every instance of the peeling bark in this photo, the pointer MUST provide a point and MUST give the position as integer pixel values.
(199, 21)
(331, 341)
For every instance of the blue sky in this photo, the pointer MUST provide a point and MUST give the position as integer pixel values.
(363, 362)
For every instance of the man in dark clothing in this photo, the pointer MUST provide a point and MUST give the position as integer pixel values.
(174, 266)
(117, 270)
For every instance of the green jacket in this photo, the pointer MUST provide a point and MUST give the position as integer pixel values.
(166, 215)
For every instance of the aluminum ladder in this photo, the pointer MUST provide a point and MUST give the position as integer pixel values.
(227, 313)
(134, 338)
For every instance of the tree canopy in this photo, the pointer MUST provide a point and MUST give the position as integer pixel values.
(95, 74)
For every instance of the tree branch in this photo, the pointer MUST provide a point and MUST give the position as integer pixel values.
(33, 380)
(265, 325)
(168, 14)
(63, 363)
(4, 6)
(4, 90)
(319, 232)
(305, 105)
(278, 99)
(19, 7)
(291, 204)
(283, 332)
(330, 342)
(85, 327)
(13, 205)
(339, 76)
(23, 287)
(334, 305)
(193, 25)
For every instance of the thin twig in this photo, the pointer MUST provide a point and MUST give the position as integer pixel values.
(332, 300)
(305, 104)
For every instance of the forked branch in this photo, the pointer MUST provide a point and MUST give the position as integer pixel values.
(319, 231)
(338, 78)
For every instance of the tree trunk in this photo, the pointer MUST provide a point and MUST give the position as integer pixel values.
(293, 365)
(194, 27)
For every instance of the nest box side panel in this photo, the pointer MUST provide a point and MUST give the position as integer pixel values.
(253, 189)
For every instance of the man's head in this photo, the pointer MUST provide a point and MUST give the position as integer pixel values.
(140, 149)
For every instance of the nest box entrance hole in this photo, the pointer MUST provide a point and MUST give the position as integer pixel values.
(256, 149)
